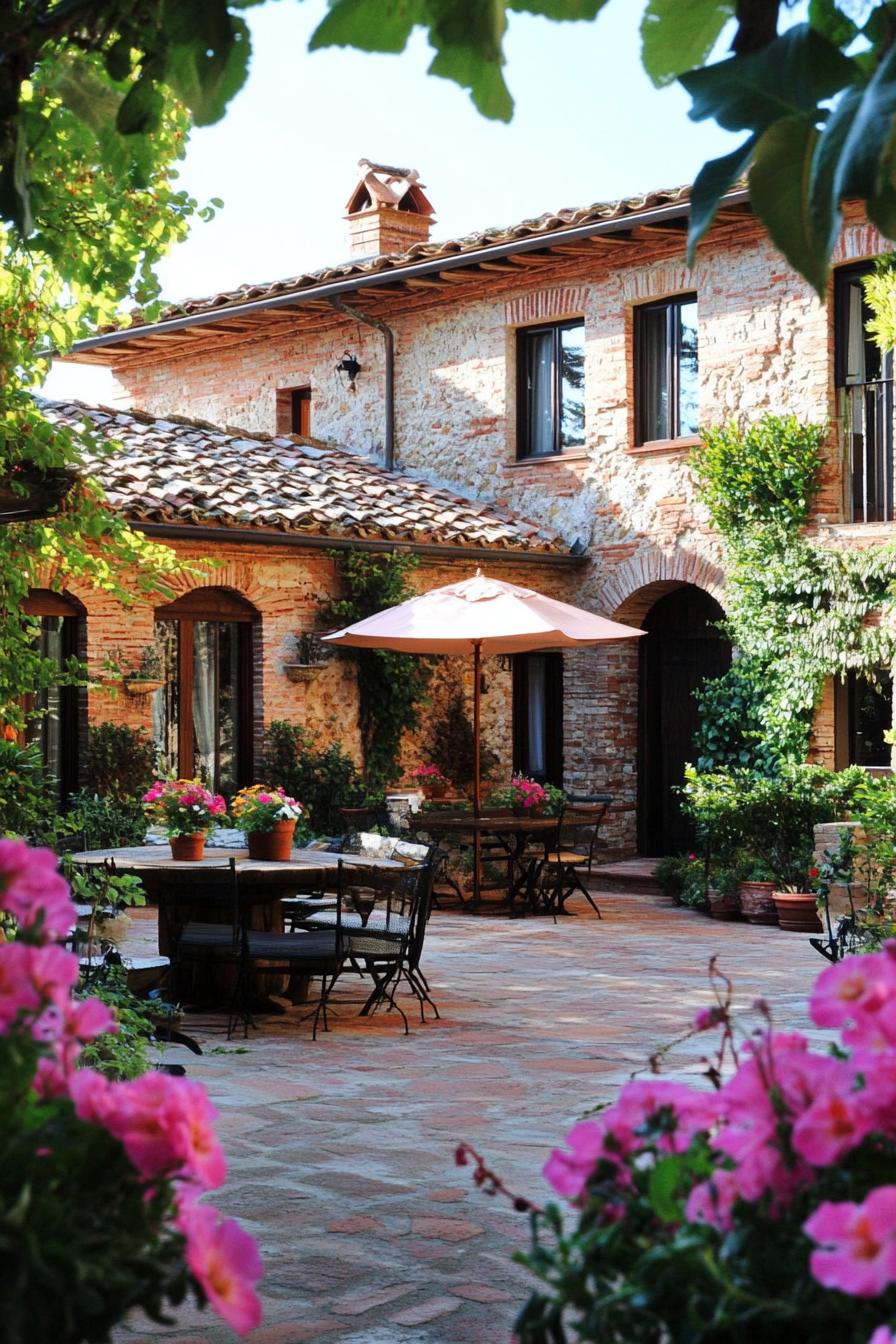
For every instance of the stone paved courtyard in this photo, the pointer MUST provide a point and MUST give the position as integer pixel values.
(341, 1151)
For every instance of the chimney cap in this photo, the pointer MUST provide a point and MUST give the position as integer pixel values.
(382, 185)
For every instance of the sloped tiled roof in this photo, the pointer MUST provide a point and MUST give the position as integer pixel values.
(529, 228)
(190, 472)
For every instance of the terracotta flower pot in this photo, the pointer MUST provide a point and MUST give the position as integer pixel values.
(757, 902)
(187, 848)
(721, 906)
(436, 788)
(274, 845)
(797, 911)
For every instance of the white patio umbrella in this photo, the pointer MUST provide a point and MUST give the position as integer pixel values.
(481, 616)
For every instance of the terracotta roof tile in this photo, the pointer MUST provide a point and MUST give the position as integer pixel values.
(601, 211)
(193, 472)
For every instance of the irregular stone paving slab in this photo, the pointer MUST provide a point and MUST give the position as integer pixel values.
(341, 1151)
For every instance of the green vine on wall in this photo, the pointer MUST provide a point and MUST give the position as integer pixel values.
(391, 686)
(798, 611)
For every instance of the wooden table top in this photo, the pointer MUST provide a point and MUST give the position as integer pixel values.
(157, 858)
(433, 822)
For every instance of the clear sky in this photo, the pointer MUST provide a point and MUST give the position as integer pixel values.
(588, 126)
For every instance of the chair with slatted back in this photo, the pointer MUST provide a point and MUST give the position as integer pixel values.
(384, 923)
(311, 953)
(573, 850)
(201, 924)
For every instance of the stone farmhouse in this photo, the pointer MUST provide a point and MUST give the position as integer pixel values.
(522, 400)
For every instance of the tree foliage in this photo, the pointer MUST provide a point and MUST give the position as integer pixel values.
(100, 220)
(815, 104)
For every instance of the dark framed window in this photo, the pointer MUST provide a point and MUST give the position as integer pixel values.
(667, 391)
(551, 387)
(294, 411)
(864, 378)
(57, 708)
(202, 718)
(538, 716)
(863, 713)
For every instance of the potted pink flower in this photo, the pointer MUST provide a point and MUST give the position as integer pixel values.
(188, 811)
(268, 816)
(431, 780)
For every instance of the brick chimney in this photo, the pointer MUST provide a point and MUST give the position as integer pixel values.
(387, 211)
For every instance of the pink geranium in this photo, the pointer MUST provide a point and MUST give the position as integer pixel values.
(831, 1126)
(857, 1243)
(164, 1124)
(852, 989)
(226, 1262)
(33, 892)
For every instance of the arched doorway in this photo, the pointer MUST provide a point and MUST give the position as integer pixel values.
(202, 717)
(681, 649)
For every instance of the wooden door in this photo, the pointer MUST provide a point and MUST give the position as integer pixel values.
(681, 649)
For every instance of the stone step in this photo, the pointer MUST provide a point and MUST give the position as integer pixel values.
(628, 875)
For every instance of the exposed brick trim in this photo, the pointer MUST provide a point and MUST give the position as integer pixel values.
(858, 241)
(670, 276)
(634, 587)
(547, 304)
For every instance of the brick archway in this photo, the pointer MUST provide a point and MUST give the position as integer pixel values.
(636, 585)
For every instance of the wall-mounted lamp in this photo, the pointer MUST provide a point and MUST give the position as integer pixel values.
(350, 367)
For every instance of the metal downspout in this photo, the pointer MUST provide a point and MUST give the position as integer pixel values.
(389, 397)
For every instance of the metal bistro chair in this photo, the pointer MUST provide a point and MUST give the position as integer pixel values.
(210, 943)
(385, 929)
(312, 894)
(311, 952)
(576, 842)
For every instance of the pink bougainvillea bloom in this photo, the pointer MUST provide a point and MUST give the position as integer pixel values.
(33, 892)
(164, 1124)
(569, 1173)
(226, 1262)
(857, 985)
(831, 1126)
(18, 996)
(707, 1018)
(857, 1243)
(713, 1201)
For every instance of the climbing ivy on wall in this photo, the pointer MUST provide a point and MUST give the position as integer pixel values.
(798, 611)
(391, 686)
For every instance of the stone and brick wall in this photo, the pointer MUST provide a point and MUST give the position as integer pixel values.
(765, 344)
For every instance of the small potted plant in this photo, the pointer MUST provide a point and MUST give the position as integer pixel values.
(797, 905)
(523, 796)
(311, 655)
(188, 811)
(268, 816)
(431, 781)
(755, 890)
(148, 676)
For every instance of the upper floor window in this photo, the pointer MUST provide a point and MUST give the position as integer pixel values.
(294, 410)
(202, 718)
(864, 712)
(666, 370)
(864, 377)
(551, 381)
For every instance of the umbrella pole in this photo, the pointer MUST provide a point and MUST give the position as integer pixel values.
(477, 783)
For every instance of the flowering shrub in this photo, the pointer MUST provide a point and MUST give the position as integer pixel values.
(98, 1180)
(429, 774)
(763, 1210)
(183, 806)
(257, 808)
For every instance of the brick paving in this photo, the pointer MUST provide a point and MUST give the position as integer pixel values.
(341, 1150)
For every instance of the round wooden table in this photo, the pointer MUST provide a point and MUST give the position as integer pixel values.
(166, 882)
(511, 831)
